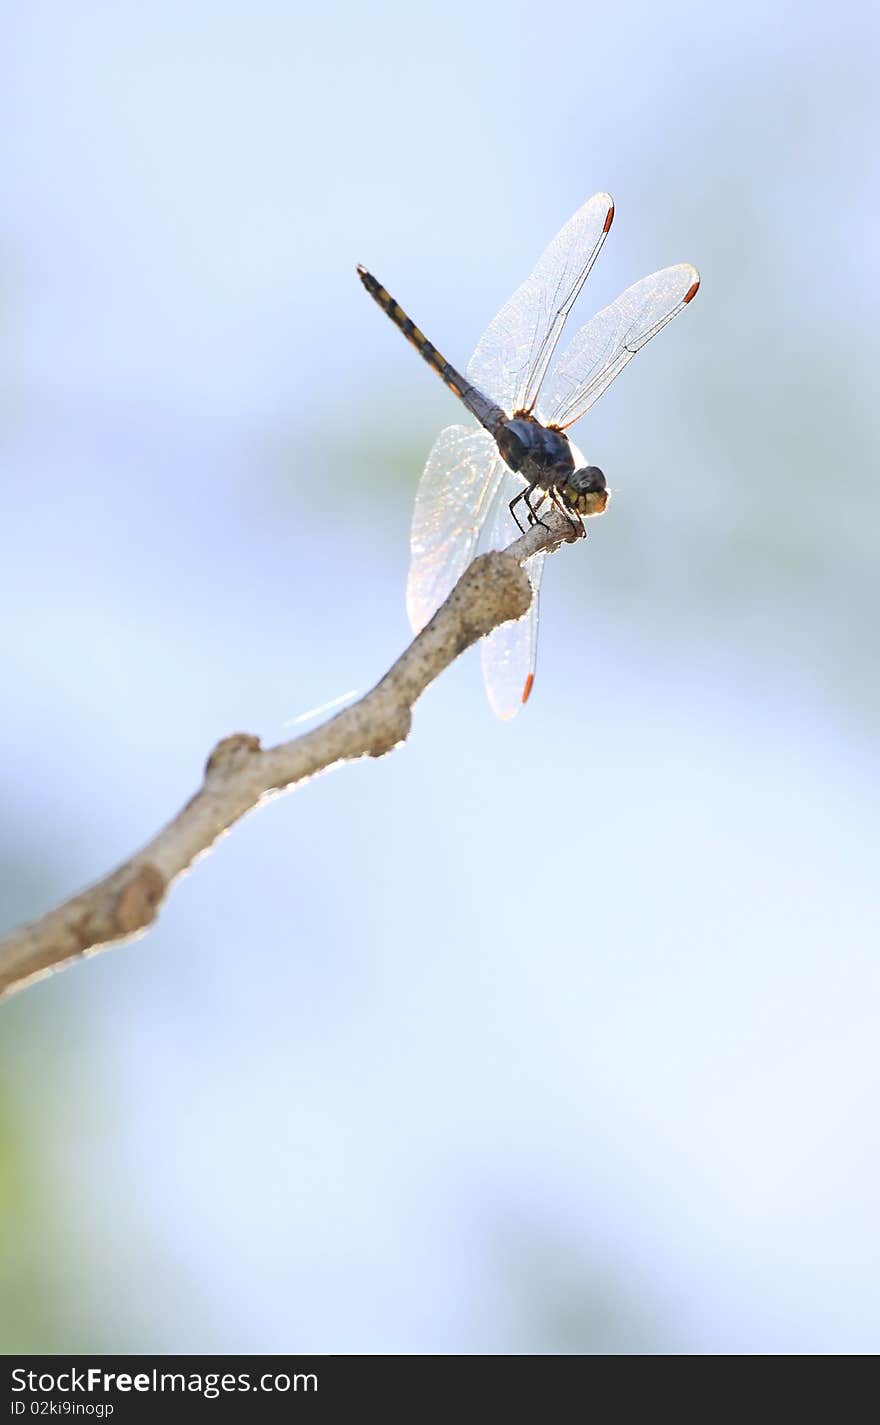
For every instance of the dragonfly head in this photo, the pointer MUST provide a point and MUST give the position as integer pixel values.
(586, 491)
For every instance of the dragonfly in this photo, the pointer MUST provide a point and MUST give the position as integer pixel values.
(519, 456)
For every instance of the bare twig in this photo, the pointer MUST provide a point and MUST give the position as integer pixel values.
(240, 774)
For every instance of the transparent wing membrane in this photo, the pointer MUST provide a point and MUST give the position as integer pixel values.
(455, 494)
(601, 349)
(509, 652)
(514, 352)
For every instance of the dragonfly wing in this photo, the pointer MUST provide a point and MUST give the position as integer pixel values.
(601, 349)
(454, 498)
(509, 652)
(514, 352)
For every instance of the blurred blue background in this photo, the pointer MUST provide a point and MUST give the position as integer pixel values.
(552, 1036)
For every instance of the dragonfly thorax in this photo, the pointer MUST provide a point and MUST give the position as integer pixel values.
(542, 456)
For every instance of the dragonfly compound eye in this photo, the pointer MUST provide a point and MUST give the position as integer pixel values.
(589, 481)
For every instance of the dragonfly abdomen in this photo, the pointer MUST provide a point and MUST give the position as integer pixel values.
(487, 412)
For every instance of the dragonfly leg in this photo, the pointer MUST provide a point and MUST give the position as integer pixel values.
(534, 518)
(515, 501)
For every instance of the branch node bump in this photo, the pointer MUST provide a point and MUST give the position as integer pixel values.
(139, 899)
(231, 754)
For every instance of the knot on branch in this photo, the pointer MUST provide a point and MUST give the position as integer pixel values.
(138, 900)
(231, 754)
